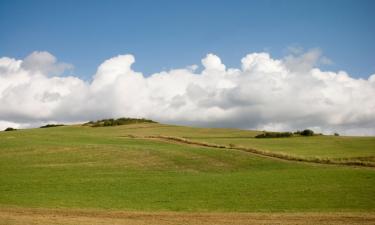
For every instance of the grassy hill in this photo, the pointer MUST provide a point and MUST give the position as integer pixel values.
(122, 168)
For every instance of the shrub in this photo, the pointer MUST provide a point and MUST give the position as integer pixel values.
(10, 129)
(232, 145)
(52, 125)
(116, 122)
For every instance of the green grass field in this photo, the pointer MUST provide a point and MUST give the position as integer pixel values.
(103, 168)
(316, 146)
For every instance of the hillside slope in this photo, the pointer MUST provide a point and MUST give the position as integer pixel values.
(113, 168)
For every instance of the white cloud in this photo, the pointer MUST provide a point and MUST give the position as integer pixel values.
(45, 63)
(212, 62)
(266, 93)
(5, 124)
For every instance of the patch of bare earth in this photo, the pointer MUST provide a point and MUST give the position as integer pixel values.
(18, 216)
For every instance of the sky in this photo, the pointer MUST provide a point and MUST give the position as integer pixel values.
(171, 34)
(276, 65)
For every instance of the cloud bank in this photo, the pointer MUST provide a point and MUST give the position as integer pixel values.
(265, 93)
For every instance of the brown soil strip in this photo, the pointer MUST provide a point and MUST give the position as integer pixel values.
(346, 162)
(18, 216)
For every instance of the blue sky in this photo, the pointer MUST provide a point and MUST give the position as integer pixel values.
(173, 34)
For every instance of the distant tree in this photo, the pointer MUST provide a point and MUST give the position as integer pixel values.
(10, 129)
(336, 134)
(307, 132)
(108, 123)
(274, 135)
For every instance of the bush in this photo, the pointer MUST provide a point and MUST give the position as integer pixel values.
(232, 145)
(10, 129)
(307, 132)
(116, 122)
(274, 135)
(52, 125)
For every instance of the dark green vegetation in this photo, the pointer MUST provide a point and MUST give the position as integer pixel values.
(52, 125)
(10, 129)
(306, 132)
(115, 168)
(274, 135)
(117, 122)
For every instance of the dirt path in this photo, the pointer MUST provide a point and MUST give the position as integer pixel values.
(20, 216)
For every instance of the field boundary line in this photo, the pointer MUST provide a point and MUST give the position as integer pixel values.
(345, 162)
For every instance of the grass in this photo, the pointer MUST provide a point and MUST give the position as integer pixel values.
(79, 167)
(316, 146)
(361, 161)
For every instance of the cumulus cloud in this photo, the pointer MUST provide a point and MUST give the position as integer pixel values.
(265, 93)
(45, 63)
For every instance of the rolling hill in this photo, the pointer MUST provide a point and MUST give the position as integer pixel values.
(140, 168)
